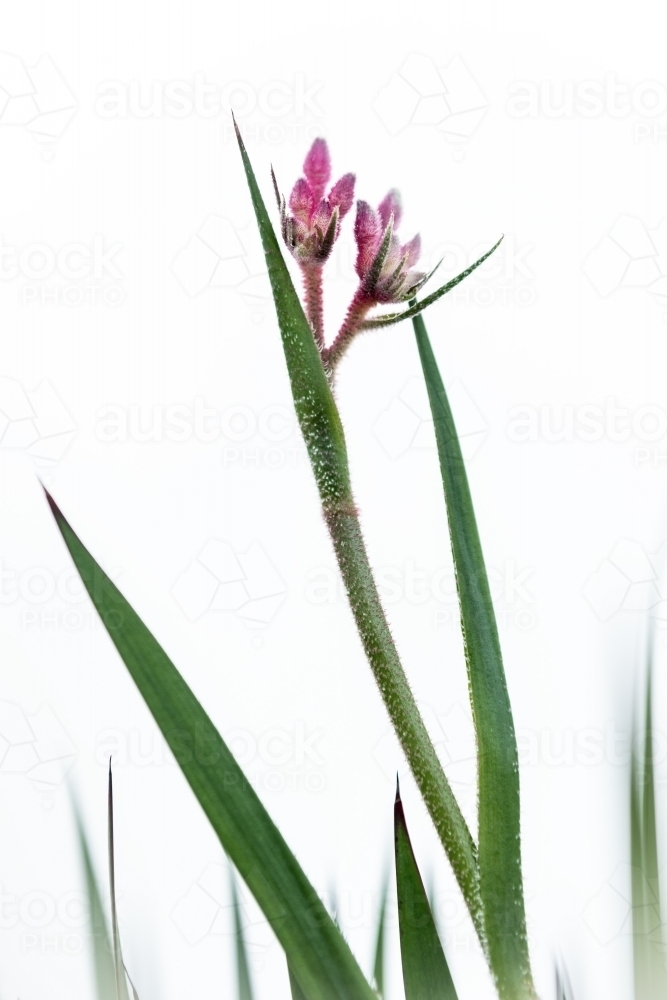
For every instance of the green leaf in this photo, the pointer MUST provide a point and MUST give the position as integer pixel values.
(647, 918)
(323, 433)
(297, 992)
(244, 985)
(418, 307)
(499, 847)
(426, 975)
(119, 966)
(563, 987)
(380, 937)
(105, 977)
(313, 945)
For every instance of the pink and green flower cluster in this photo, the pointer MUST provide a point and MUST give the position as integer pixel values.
(310, 225)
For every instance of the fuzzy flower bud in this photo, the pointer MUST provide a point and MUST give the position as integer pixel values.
(384, 265)
(312, 225)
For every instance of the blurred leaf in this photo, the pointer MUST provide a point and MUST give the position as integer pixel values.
(380, 937)
(105, 977)
(647, 923)
(135, 995)
(119, 967)
(323, 434)
(499, 847)
(563, 987)
(314, 947)
(244, 985)
(426, 974)
(416, 308)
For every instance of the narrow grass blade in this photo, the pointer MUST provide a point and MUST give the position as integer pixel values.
(647, 920)
(105, 976)
(563, 986)
(315, 948)
(119, 967)
(380, 938)
(323, 434)
(416, 308)
(243, 983)
(135, 995)
(426, 975)
(499, 848)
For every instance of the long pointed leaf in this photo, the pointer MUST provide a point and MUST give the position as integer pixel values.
(323, 434)
(499, 848)
(119, 966)
(418, 307)
(380, 937)
(243, 983)
(314, 947)
(426, 975)
(648, 940)
(563, 986)
(105, 977)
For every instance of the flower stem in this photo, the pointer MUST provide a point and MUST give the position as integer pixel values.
(345, 529)
(355, 316)
(324, 437)
(312, 281)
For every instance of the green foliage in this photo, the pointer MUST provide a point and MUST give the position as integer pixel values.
(105, 976)
(380, 937)
(649, 944)
(243, 983)
(316, 950)
(426, 974)
(119, 965)
(323, 433)
(499, 846)
(416, 308)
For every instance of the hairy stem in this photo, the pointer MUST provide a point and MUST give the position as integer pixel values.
(324, 437)
(355, 316)
(343, 523)
(312, 283)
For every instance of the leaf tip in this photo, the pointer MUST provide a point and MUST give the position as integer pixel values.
(275, 187)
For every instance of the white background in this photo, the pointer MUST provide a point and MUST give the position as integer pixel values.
(550, 128)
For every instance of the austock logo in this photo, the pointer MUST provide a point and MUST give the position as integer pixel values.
(36, 98)
(611, 913)
(628, 580)
(222, 579)
(206, 910)
(73, 274)
(421, 93)
(276, 111)
(221, 256)
(407, 423)
(35, 746)
(36, 422)
(630, 256)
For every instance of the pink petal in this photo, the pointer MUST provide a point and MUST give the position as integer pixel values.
(393, 258)
(301, 201)
(368, 234)
(391, 205)
(413, 249)
(317, 168)
(342, 194)
(322, 215)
